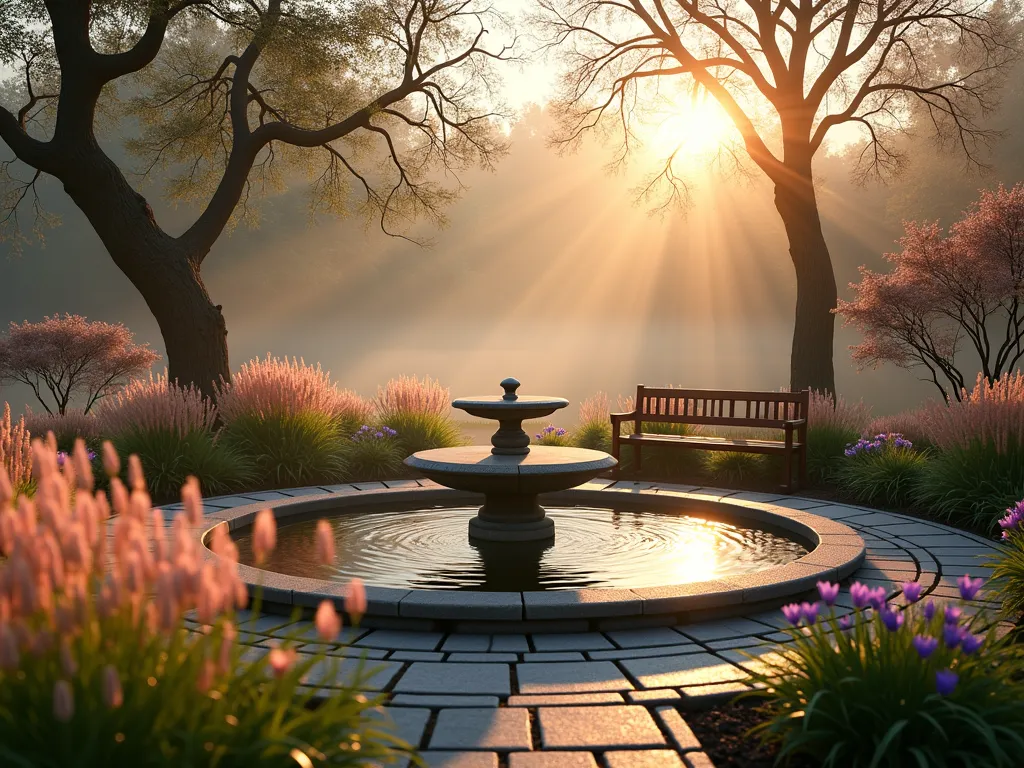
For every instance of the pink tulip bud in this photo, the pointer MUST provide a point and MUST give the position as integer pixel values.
(136, 478)
(111, 461)
(113, 696)
(328, 622)
(280, 661)
(63, 700)
(355, 599)
(68, 664)
(264, 536)
(324, 543)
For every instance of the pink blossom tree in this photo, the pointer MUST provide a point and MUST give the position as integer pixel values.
(948, 292)
(67, 357)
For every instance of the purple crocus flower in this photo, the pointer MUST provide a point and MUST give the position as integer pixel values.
(810, 612)
(860, 594)
(951, 635)
(970, 643)
(829, 592)
(952, 614)
(793, 613)
(925, 645)
(877, 597)
(891, 618)
(912, 591)
(969, 587)
(845, 622)
(929, 610)
(945, 681)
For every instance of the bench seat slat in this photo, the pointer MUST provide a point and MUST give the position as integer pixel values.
(711, 443)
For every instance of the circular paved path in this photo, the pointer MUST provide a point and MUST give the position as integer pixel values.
(615, 699)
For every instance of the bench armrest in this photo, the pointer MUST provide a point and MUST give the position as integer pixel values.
(794, 423)
(618, 418)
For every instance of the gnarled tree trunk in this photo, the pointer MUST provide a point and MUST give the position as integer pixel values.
(811, 365)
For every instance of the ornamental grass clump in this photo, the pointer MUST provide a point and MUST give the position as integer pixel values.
(594, 430)
(920, 685)
(420, 411)
(552, 435)
(97, 665)
(731, 467)
(978, 467)
(1008, 566)
(16, 452)
(883, 469)
(832, 424)
(67, 427)
(372, 453)
(171, 429)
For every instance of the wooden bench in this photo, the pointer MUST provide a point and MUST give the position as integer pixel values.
(772, 410)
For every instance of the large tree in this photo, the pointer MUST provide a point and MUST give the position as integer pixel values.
(786, 73)
(376, 100)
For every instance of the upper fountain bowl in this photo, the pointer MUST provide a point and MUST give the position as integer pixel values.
(510, 406)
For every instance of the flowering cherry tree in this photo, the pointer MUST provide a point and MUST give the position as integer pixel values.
(69, 356)
(948, 292)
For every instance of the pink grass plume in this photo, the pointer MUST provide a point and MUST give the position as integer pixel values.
(355, 599)
(280, 661)
(113, 695)
(63, 701)
(324, 543)
(264, 535)
(328, 622)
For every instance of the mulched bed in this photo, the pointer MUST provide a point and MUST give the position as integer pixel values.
(722, 730)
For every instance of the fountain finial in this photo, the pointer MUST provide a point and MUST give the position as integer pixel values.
(510, 385)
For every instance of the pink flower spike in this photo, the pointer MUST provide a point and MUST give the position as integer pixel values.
(328, 622)
(63, 701)
(355, 599)
(136, 478)
(280, 661)
(264, 535)
(113, 696)
(324, 543)
(111, 461)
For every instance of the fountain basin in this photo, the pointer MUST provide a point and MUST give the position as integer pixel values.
(835, 552)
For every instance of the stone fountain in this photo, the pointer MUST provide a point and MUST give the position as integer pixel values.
(510, 473)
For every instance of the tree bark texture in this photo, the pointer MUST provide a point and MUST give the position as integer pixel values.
(811, 364)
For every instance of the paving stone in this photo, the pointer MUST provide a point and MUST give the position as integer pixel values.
(646, 758)
(429, 677)
(394, 639)
(697, 760)
(467, 643)
(463, 657)
(711, 694)
(438, 701)
(509, 643)
(305, 631)
(453, 604)
(571, 677)
(583, 641)
(460, 759)
(262, 624)
(870, 519)
(799, 503)
(760, 663)
(581, 603)
(372, 675)
(554, 656)
(950, 540)
(417, 656)
(641, 653)
(502, 730)
(682, 737)
(341, 650)
(739, 642)
(564, 699)
(405, 723)
(228, 502)
(721, 630)
(551, 760)
(615, 726)
(677, 671)
(645, 638)
(654, 696)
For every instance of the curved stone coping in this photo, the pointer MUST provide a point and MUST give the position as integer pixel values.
(475, 460)
(837, 551)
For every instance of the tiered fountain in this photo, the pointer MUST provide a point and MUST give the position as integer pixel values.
(510, 473)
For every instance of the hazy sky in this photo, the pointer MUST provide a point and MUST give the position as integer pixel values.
(548, 271)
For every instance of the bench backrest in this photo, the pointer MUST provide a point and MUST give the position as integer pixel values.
(719, 407)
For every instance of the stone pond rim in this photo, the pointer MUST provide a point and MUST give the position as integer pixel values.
(511, 473)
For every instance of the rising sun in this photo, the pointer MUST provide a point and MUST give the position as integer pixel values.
(692, 126)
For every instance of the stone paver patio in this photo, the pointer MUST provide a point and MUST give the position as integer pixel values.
(614, 699)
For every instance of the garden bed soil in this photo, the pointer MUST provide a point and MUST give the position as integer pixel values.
(722, 733)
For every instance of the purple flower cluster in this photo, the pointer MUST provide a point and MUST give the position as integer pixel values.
(63, 455)
(877, 444)
(1014, 519)
(952, 634)
(551, 429)
(366, 432)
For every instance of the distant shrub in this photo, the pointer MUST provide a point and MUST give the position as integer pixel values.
(978, 469)
(832, 423)
(273, 388)
(731, 467)
(552, 435)
(156, 405)
(66, 427)
(886, 468)
(420, 411)
(16, 452)
(594, 430)
(372, 453)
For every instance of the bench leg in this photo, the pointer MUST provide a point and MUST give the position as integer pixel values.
(803, 467)
(787, 483)
(615, 455)
(637, 459)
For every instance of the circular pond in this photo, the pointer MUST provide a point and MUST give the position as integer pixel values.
(428, 548)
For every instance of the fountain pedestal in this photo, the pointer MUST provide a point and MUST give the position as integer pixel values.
(511, 473)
